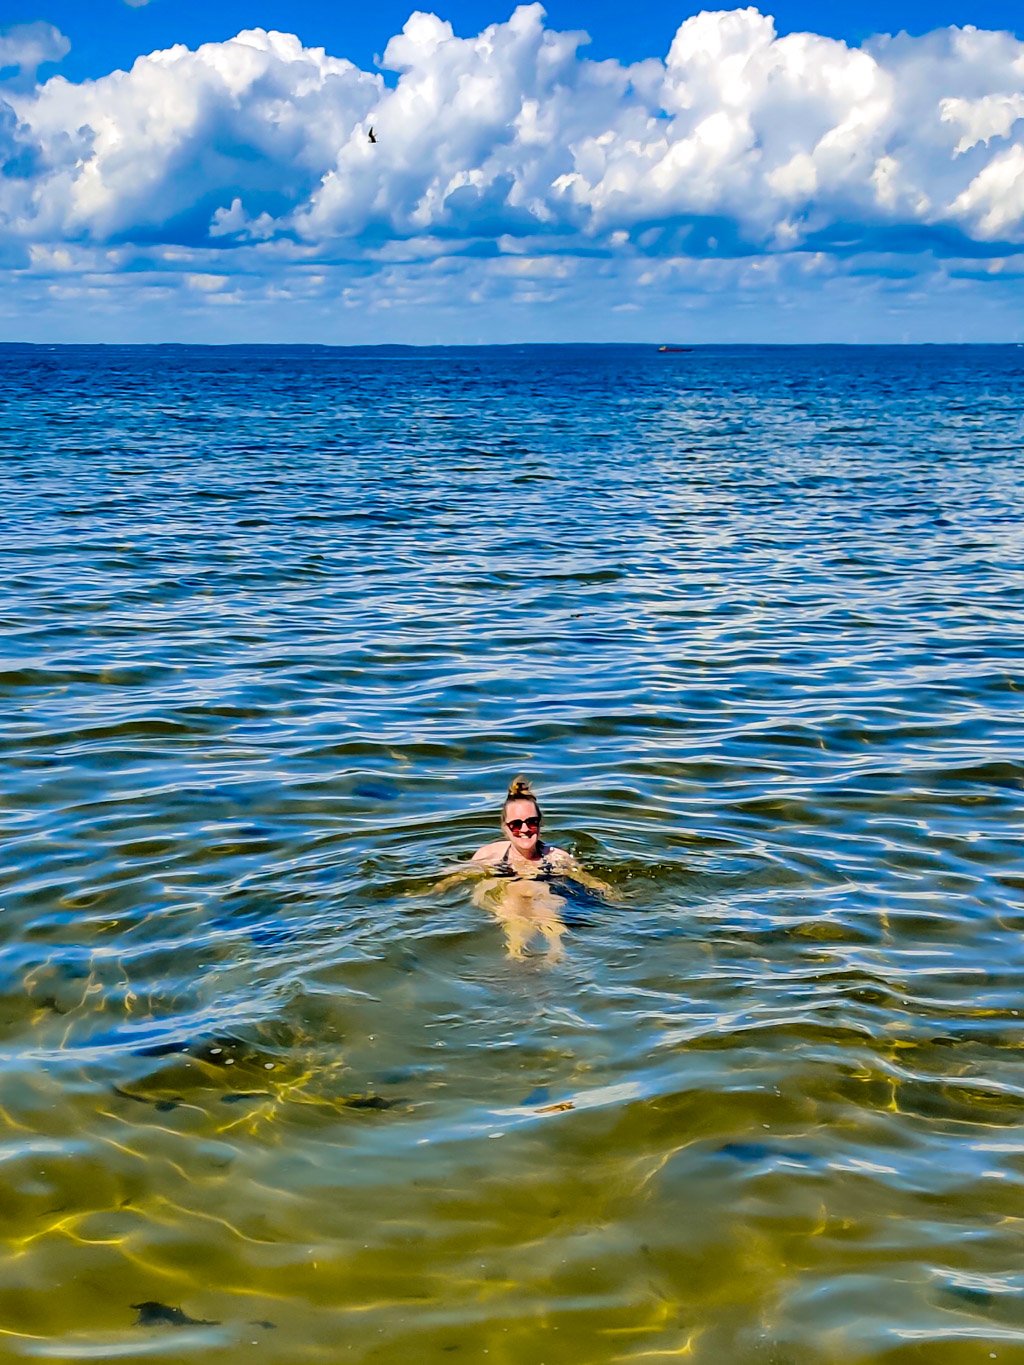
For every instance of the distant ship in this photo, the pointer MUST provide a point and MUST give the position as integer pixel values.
(673, 350)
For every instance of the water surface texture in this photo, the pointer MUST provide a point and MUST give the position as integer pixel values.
(278, 628)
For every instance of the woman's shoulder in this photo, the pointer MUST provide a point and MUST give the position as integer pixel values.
(558, 856)
(491, 853)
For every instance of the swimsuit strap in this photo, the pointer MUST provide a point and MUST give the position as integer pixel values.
(506, 869)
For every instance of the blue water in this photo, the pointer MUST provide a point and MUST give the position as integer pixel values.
(280, 624)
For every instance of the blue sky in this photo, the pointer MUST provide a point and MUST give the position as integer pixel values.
(111, 33)
(686, 175)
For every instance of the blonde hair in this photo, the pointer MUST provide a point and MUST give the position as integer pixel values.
(519, 789)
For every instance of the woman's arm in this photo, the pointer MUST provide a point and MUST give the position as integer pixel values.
(482, 862)
(565, 864)
(587, 879)
(467, 872)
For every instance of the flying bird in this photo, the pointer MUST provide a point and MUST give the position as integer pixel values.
(372, 138)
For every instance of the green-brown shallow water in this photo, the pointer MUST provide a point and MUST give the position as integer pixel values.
(279, 626)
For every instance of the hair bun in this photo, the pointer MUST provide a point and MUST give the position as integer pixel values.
(519, 789)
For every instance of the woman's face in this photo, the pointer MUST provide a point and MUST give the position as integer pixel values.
(523, 837)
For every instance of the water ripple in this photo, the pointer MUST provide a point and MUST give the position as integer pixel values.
(279, 626)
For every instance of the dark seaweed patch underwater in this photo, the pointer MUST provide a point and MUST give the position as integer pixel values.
(278, 627)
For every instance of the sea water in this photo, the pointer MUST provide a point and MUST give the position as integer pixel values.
(279, 626)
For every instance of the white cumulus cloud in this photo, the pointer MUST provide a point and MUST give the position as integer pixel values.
(28, 46)
(739, 142)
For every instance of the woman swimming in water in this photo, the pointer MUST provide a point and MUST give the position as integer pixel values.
(517, 872)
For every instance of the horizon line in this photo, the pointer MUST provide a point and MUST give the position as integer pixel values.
(673, 346)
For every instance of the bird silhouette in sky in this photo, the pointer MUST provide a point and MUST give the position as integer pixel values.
(372, 138)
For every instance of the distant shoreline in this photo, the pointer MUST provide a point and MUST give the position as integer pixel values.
(406, 348)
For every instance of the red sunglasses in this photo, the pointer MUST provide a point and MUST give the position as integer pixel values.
(531, 823)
